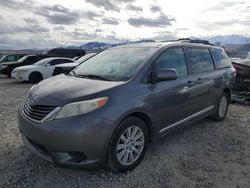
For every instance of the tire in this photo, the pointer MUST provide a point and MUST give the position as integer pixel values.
(222, 108)
(138, 128)
(35, 77)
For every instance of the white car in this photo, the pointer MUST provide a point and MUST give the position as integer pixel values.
(41, 70)
(67, 67)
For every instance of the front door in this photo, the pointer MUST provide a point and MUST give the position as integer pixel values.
(173, 99)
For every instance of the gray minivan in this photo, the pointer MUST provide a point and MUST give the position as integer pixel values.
(108, 109)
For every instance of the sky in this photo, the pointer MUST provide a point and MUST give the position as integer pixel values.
(51, 23)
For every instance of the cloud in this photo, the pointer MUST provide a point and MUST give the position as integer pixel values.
(98, 30)
(164, 36)
(106, 4)
(182, 29)
(160, 21)
(30, 20)
(222, 5)
(155, 8)
(219, 24)
(31, 28)
(57, 14)
(59, 28)
(9, 43)
(90, 15)
(81, 34)
(134, 8)
(110, 21)
(15, 5)
(109, 5)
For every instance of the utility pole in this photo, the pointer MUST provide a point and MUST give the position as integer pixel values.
(62, 40)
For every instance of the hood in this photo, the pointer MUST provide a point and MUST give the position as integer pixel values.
(24, 67)
(63, 89)
(11, 63)
(67, 65)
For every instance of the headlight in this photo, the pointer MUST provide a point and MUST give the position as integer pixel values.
(83, 107)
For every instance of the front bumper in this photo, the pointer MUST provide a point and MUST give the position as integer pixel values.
(76, 142)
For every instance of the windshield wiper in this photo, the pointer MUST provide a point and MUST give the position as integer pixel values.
(93, 76)
(73, 73)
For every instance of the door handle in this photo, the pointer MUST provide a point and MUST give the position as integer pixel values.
(190, 83)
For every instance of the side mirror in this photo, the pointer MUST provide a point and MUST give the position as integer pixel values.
(166, 75)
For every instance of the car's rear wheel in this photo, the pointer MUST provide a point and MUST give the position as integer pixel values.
(128, 145)
(222, 108)
(35, 77)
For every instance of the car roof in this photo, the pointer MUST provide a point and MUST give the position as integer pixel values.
(167, 44)
(52, 58)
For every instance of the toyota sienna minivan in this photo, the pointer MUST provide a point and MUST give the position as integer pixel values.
(108, 109)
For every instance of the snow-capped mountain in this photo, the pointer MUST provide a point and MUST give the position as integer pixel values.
(229, 39)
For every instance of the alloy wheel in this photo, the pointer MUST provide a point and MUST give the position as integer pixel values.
(130, 145)
(223, 106)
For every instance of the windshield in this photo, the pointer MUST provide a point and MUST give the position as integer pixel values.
(84, 58)
(22, 59)
(118, 64)
(42, 62)
(2, 58)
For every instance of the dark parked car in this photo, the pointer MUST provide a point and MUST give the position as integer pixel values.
(65, 52)
(109, 108)
(25, 60)
(67, 67)
(11, 57)
(243, 75)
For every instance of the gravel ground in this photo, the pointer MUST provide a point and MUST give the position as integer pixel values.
(204, 154)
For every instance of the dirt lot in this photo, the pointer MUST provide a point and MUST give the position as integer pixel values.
(204, 154)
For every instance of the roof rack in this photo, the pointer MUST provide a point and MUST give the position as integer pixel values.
(195, 41)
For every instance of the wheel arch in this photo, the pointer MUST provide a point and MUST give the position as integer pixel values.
(228, 91)
(144, 117)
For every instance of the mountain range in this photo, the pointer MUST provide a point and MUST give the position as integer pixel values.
(235, 45)
(220, 40)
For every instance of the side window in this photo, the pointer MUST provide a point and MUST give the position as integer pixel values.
(173, 58)
(59, 61)
(221, 58)
(200, 59)
(30, 59)
(11, 58)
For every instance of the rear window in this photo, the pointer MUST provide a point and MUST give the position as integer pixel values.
(221, 58)
(200, 60)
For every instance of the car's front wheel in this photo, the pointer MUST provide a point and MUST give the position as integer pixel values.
(128, 145)
(35, 77)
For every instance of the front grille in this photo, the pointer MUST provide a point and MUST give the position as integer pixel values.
(37, 112)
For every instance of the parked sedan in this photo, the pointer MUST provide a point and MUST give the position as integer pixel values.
(243, 75)
(41, 70)
(67, 67)
(7, 68)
